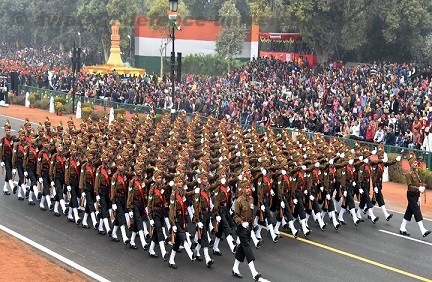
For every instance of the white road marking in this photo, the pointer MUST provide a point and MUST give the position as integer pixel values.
(23, 120)
(11, 129)
(405, 237)
(54, 254)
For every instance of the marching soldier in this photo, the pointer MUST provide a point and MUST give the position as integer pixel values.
(243, 217)
(221, 192)
(118, 199)
(178, 220)
(202, 215)
(6, 151)
(86, 186)
(30, 168)
(377, 175)
(415, 188)
(43, 168)
(72, 178)
(18, 163)
(364, 175)
(347, 186)
(57, 176)
(156, 206)
(136, 203)
(102, 191)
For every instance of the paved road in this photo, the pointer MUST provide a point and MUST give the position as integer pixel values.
(355, 253)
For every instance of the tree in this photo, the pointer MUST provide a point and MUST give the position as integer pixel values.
(322, 22)
(16, 22)
(158, 21)
(230, 40)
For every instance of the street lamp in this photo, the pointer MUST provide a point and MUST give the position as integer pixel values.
(130, 48)
(172, 18)
(173, 5)
(79, 42)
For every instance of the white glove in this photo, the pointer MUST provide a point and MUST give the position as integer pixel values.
(283, 172)
(421, 189)
(171, 183)
(311, 197)
(351, 161)
(305, 192)
(322, 188)
(361, 158)
(114, 207)
(245, 224)
(282, 204)
(174, 229)
(197, 190)
(199, 180)
(331, 161)
(263, 208)
(374, 152)
(338, 154)
(83, 194)
(354, 183)
(200, 225)
(398, 158)
(97, 198)
(303, 167)
(131, 214)
(223, 181)
(366, 160)
(317, 164)
(151, 222)
(342, 155)
(238, 154)
(328, 197)
(25, 174)
(14, 171)
(264, 171)
(295, 201)
(272, 193)
(376, 189)
(240, 177)
(69, 188)
(40, 180)
(361, 191)
(218, 218)
(52, 183)
(345, 193)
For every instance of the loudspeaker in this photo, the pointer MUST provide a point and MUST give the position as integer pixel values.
(179, 67)
(14, 82)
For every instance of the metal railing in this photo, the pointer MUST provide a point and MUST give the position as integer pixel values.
(423, 156)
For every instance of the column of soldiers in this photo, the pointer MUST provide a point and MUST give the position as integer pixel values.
(163, 181)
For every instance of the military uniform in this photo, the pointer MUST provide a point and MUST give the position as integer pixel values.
(102, 191)
(30, 168)
(136, 203)
(156, 210)
(415, 188)
(86, 186)
(6, 151)
(57, 176)
(72, 178)
(243, 217)
(202, 215)
(18, 163)
(119, 189)
(178, 219)
(43, 168)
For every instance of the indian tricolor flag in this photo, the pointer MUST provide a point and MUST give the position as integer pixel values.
(195, 37)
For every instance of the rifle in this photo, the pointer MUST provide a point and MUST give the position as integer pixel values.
(173, 236)
(112, 215)
(199, 232)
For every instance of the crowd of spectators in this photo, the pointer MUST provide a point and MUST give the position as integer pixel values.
(383, 103)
